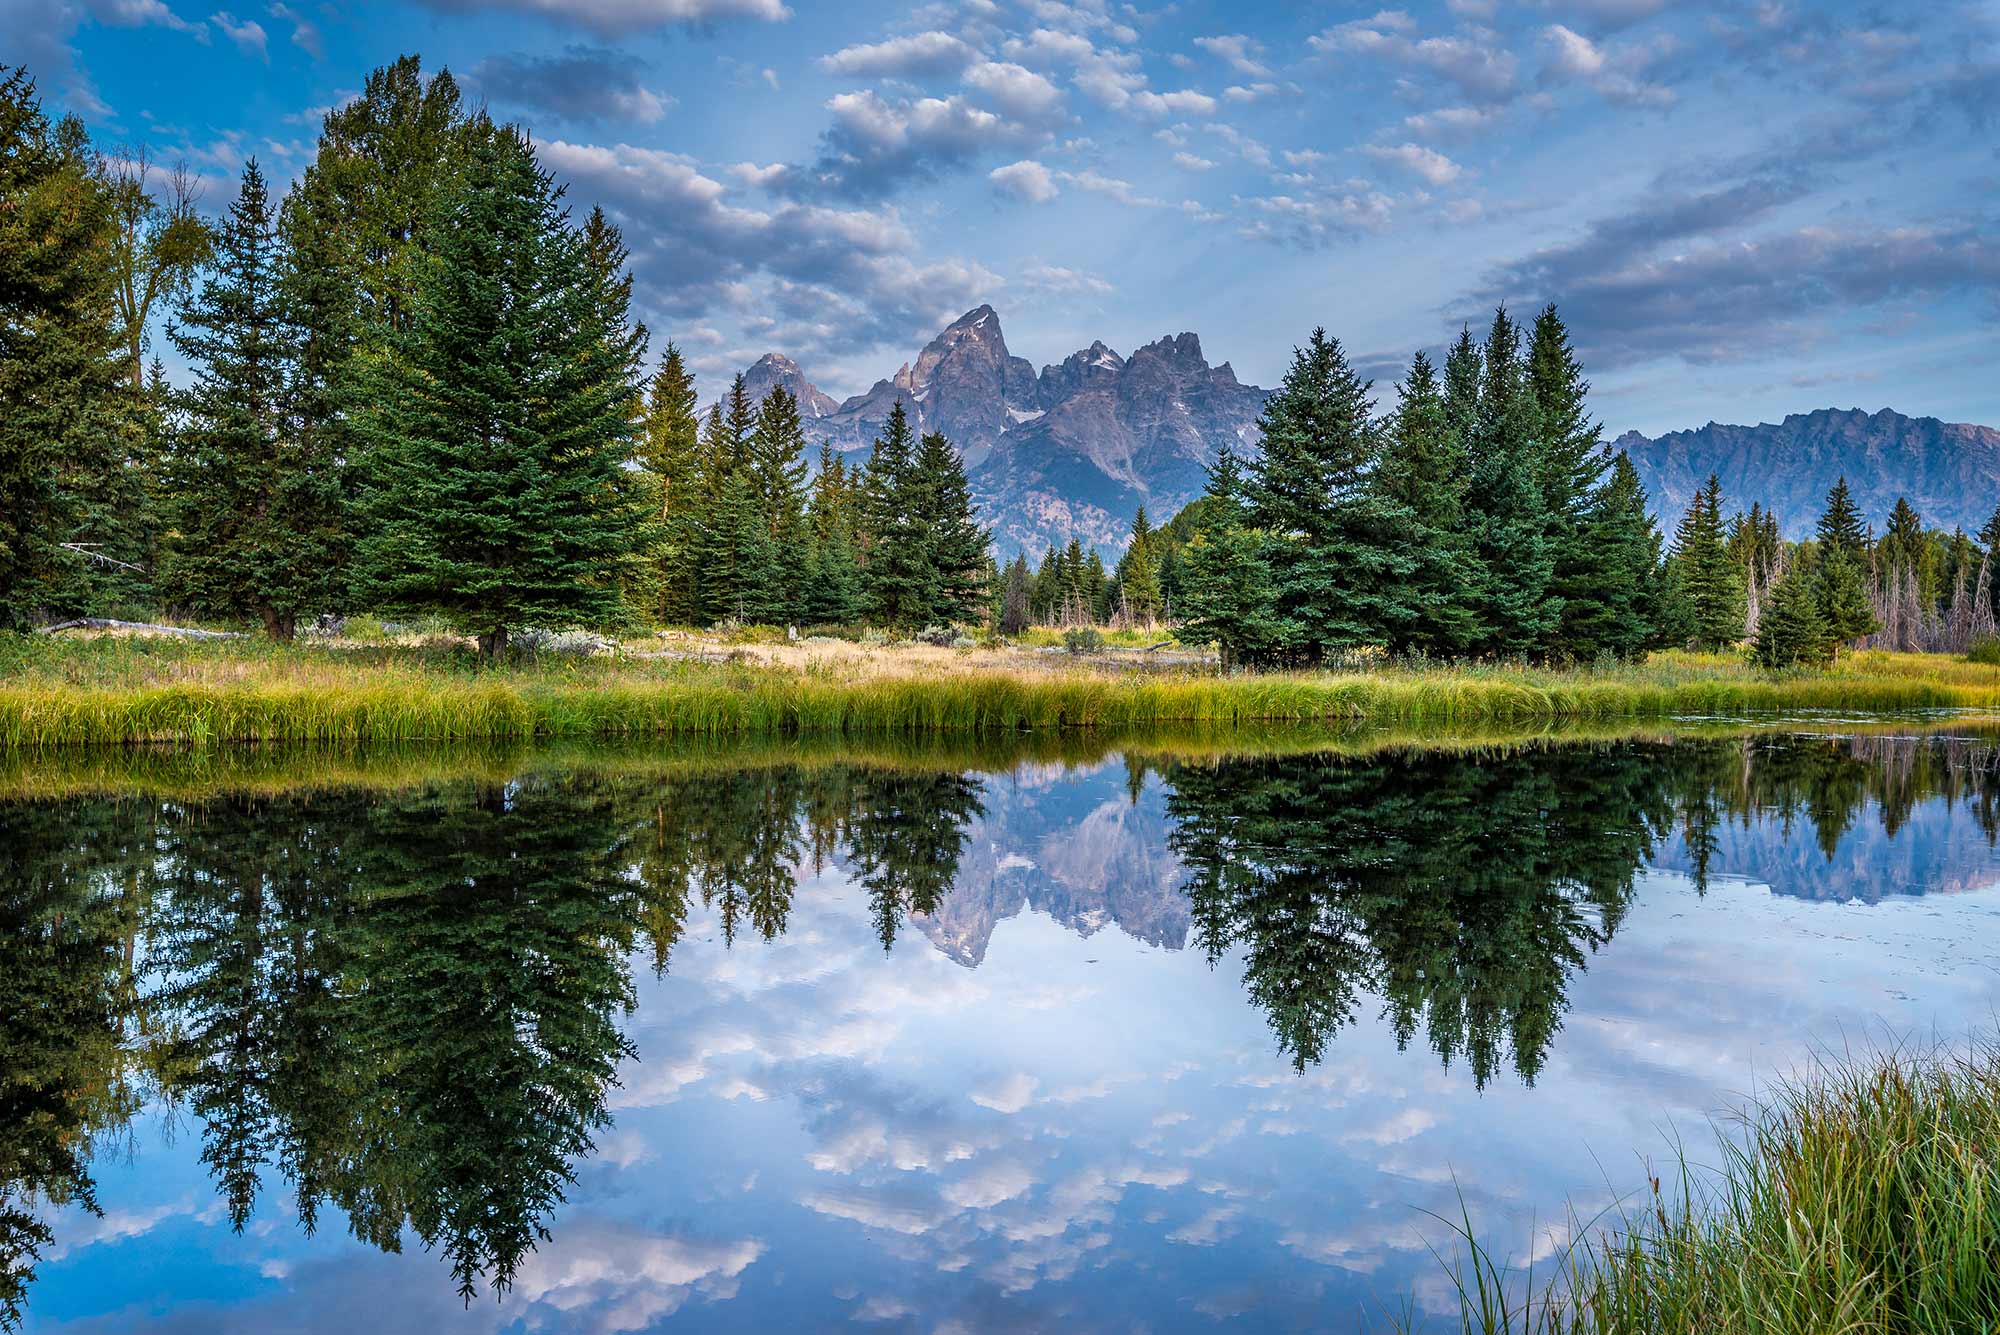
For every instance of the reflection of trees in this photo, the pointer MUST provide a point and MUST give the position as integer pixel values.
(1464, 890)
(68, 919)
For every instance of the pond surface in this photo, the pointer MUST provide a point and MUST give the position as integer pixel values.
(1145, 1038)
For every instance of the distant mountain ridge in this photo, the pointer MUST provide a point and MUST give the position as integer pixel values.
(1067, 452)
(1071, 450)
(1950, 471)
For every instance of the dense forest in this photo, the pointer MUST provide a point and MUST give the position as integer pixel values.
(415, 386)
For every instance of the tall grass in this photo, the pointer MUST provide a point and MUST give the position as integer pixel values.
(1862, 1198)
(110, 691)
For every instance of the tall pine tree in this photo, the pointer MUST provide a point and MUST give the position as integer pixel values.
(499, 427)
(254, 503)
(670, 452)
(1573, 463)
(1707, 581)
(1423, 470)
(1506, 509)
(952, 545)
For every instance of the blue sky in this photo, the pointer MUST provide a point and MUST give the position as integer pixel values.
(1745, 208)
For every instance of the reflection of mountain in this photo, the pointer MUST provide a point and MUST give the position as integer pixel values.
(1087, 854)
(1837, 819)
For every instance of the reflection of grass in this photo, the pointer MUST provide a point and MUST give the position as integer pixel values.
(128, 689)
(1862, 1198)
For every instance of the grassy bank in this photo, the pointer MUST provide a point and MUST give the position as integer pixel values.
(1863, 1198)
(56, 692)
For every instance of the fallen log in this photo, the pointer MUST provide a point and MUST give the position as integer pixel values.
(143, 627)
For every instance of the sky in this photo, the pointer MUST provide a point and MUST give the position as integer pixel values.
(1743, 209)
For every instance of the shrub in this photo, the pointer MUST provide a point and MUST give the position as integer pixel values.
(938, 637)
(1083, 640)
(1986, 651)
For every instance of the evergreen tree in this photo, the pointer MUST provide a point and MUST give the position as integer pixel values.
(253, 511)
(1230, 594)
(896, 576)
(1573, 464)
(952, 545)
(1338, 563)
(778, 480)
(744, 583)
(1792, 632)
(1423, 471)
(1619, 610)
(670, 452)
(1708, 580)
(1841, 585)
(740, 418)
(1507, 513)
(833, 589)
(1138, 580)
(498, 429)
(62, 362)
(1015, 598)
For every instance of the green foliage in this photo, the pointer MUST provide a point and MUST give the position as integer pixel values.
(1707, 583)
(669, 449)
(63, 430)
(1507, 510)
(951, 544)
(498, 427)
(1984, 651)
(252, 508)
(1424, 471)
(1792, 631)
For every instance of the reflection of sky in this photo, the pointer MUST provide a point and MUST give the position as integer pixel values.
(1085, 1132)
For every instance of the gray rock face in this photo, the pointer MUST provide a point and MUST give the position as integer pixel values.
(1069, 452)
(774, 369)
(1949, 471)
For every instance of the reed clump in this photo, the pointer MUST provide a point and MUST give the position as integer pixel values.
(1862, 1198)
(112, 690)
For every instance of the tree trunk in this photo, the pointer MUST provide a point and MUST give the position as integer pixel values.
(493, 644)
(278, 625)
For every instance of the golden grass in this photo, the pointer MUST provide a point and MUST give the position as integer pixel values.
(58, 693)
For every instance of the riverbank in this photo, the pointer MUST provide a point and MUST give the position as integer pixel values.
(1860, 1197)
(112, 689)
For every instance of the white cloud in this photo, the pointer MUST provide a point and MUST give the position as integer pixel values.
(919, 53)
(248, 34)
(1190, 162)
(1574, 54)
(1111, 188)
(1015, 90)
(1009, 1094)
(305, 35)
(623, 16)
(1056, 278)
(1235, 50)
(1483, 70)
(1025, 180)
(1427, 163)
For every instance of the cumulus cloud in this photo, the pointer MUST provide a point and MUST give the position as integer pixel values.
(1008, 1094)
(1058, 279)
(1189, 162)
(1017, 91)
(874, 145)
(584, 85)
(902, 57)
(1483, 69)
(1316, 219)
(1616, 72)
(1425, 163)
(1026, 180)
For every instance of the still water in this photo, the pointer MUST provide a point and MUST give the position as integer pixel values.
(1084, 1037)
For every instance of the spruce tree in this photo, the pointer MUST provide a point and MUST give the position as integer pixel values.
(1339, 564)
(1506, 510)
(1792, 633)
(745, 583)
(1708, 580)
(1230, 596)
(1841, 582)
(952, 545)
(895, 578)
(1137, 577)
(740, 418)
(778, 479)
(253, 509)
(1573, 463)
(62, 362)
(669, 450)
(1423, 471)
(1620, 614)
(498, 428)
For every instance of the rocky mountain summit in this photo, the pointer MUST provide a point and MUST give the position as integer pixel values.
(1949, 470)
(1066, 452)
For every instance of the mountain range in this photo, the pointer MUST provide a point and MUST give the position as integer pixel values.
(1071, 450)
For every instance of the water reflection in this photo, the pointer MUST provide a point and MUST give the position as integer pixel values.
(410, 1003)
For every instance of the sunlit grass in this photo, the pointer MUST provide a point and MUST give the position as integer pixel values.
(57, 692)
(1862, 1197)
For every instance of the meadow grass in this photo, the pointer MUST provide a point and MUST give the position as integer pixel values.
(1862, 1197)
(58, 692)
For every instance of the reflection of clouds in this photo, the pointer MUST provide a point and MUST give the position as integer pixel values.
(625, 1278)
(1399, 1126)
(76, 1228)
(1009, 1094)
